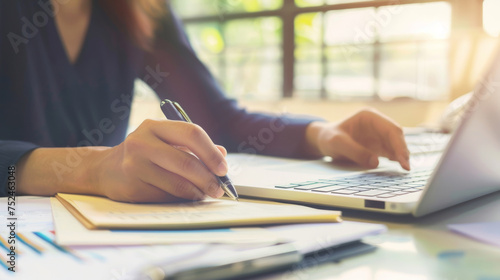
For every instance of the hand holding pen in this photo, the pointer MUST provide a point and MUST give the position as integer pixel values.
(149, 166)
(174, 111)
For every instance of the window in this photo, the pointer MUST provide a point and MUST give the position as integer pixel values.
(322, 49)
(491, 22)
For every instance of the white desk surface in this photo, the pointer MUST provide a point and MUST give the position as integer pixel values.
(412, 248)
(420, 248)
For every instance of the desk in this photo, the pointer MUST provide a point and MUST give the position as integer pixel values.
(420, 248)
(412, 248)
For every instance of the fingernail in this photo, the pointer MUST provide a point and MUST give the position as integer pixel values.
(222, 168)
(405, 162)
(373, 161)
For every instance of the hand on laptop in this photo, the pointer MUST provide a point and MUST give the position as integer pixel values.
(361, 138)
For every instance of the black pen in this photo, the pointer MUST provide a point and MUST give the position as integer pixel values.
(174, 111)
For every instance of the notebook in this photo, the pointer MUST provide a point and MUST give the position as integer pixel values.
(466, 168)
(102, 213)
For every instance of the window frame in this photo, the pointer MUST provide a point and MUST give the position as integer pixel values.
(287, 13)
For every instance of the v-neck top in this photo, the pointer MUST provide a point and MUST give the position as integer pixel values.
(45, 101)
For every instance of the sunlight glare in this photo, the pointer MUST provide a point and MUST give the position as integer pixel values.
(491, 21)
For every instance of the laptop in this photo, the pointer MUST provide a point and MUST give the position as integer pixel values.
(450, 170)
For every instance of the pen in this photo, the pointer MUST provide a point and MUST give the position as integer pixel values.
(174, 111)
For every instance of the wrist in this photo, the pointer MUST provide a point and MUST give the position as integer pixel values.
(47, 171)
(313, 131)
(90, 174)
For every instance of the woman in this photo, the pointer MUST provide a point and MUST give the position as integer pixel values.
(67, 69)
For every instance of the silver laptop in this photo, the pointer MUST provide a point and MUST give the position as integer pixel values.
(446, 170)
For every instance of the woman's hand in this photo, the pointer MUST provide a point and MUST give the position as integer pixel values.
(361, 138)
(158, 162)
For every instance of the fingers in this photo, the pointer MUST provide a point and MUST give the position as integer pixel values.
(144, 192)
(365, 136)
(222, 150)
(173, 184)
(168, 165)
(186, 166)
(342, 144)
(195, 139)
(399, 149)
(131, 188)
(392, 137)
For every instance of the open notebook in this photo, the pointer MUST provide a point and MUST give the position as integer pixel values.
(99, 212)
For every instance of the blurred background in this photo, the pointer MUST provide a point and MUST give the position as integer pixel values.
(330, 58)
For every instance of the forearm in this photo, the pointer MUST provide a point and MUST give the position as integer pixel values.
(47, 171)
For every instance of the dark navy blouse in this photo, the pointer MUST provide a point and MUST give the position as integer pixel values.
(45, 101)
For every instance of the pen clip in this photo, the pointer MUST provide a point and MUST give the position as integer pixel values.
(179, 108)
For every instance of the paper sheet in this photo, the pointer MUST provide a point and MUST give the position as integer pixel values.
(484, 232)
(94, 262)
(32, 212)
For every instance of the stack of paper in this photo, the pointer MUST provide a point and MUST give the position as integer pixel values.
(69, 232)
(48, 252)
(109, 222)
(99, 212)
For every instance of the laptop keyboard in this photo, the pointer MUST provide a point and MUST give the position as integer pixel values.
(427, 143)
(383, 184)
(372, 184)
